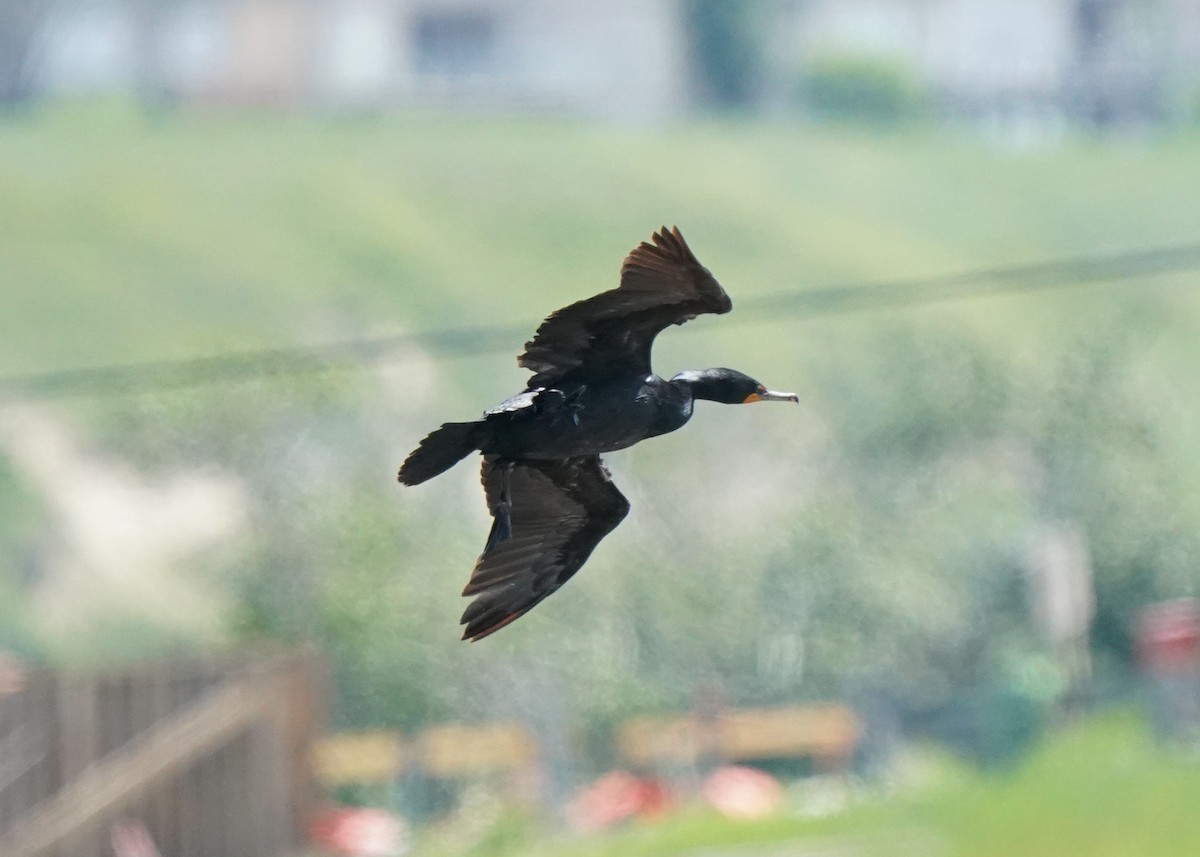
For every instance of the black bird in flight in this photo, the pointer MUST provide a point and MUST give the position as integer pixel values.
(592, 391)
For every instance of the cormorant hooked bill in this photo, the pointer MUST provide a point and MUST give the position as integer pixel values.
(592, 391)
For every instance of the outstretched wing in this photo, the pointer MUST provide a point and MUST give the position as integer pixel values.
(611, 334)
(560, 510)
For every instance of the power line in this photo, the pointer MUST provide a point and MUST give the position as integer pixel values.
(236, 366)
(1040, 276)
(463, 341)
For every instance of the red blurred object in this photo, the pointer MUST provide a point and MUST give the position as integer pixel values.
(1168, 635)
(359, 832)
(616, 797)
(130, 838)
(12, 674)
(740, 792)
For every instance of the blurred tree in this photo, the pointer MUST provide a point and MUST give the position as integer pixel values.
(1098, 438)
(881, 551)
(151, 18)
(866, 89)
(22, 525)
(725, 42)
(20, 24)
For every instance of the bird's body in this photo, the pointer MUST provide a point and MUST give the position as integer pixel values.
(592, 392)
(576, 419)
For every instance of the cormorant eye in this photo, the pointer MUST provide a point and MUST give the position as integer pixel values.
(761, 390)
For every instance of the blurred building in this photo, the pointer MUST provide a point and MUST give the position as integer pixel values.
(1102, 61)
(621, 58)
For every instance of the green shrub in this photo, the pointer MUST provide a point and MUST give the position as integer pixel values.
(874, 90)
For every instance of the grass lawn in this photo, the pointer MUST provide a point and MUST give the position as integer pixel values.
(126, 238)
(129, 238)
(1100, 789)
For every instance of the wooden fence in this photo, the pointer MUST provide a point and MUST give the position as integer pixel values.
(209, 757)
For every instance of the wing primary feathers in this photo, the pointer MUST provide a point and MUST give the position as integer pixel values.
(560, 511)
(662, 284)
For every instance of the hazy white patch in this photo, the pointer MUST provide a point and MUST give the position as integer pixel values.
(408, 381)
(409, 376)
(120, 537)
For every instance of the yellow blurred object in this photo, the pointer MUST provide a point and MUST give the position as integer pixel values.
(441, 751)
(829, 733)
(450, 751)
(358, 757)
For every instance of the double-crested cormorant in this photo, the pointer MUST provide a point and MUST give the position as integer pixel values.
(592, 391)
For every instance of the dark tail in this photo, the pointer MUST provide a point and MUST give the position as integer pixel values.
(440, 451)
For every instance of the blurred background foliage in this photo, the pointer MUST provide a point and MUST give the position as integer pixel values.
(869, 545)
(873, 545)
(863, 89)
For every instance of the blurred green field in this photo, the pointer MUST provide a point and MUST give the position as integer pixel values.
(1100, 788)
(125, 237)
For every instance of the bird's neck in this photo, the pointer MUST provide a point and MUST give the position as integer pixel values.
(695, 384)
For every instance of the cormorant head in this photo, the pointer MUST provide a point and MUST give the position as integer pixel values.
(729, 387)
